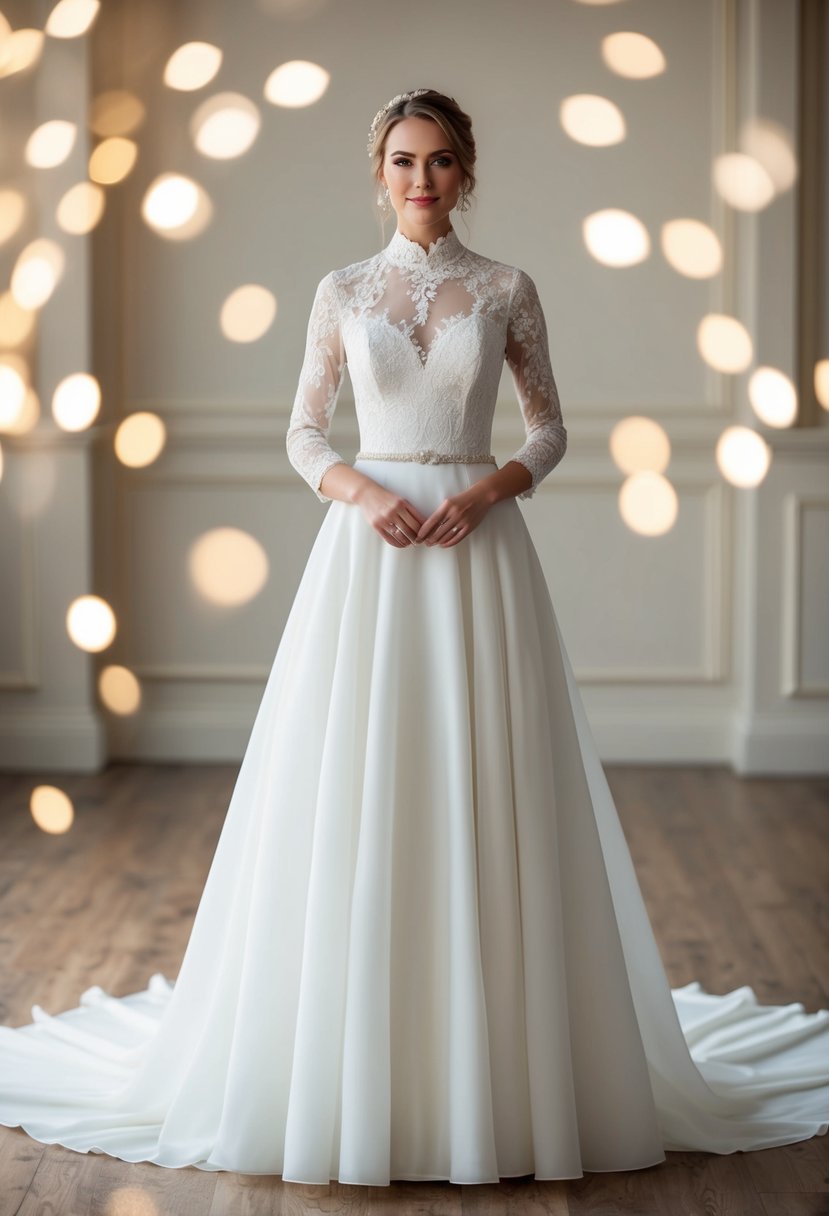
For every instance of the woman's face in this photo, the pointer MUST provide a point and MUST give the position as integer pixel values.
(418, 162)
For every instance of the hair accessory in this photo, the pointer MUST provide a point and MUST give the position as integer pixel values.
(384, 110)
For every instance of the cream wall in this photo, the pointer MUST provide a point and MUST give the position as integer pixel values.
(708, 644)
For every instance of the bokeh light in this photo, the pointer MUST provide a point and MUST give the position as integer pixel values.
(140, 439)
(176, 207)
(691, 248)
(71, 18)
(632, 55)
(27, 417)
(742, 181)
(639, 444)
(822, 382)
(51, 809)
(296, 83)
(90, 623)
(743, 457)
(771, 145)
(12, 212)
(116, 112)
(50, 143)
(192, 66)
(20, 51)
(724, 343)
(12, 394)
(773, 396)
(112, 160)
(76, 401)
(81, 208)
(247, 313)
(16, 324)
(228, 566)
(648, 503)
(615, 237)
(119, 690)
(225, 126)
(37, 272)
(591, 120)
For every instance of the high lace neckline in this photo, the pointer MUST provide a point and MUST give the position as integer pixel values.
(404, 252)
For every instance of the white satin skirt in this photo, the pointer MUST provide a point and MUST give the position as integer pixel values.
(421, 951)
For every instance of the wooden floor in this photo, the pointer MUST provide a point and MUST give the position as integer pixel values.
(734, 872)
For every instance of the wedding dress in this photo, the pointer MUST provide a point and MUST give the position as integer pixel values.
(421, 950)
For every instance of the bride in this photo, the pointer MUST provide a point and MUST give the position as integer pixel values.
(421, 951)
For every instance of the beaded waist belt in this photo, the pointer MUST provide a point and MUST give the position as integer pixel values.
(429, 456)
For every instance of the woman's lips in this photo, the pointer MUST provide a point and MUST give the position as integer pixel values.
(423, 202)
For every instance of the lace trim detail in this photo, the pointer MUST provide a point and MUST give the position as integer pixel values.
(410, 255)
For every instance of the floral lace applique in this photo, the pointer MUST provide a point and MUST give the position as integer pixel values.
(462, 315)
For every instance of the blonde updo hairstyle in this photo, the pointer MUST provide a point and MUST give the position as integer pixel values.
(452, 120)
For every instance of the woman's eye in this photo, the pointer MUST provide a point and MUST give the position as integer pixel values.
(443, 160)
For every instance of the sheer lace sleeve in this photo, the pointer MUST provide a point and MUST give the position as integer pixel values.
(528, 357)
(320, 379)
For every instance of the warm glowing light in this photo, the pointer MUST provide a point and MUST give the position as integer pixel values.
(616, 238)
(176, 206)
(76, 401)
(71, 18)
(116, 112)
(90, 623)
(822, 382)
(12, 395)
(724, 343)
(140, 439)
(51, 809)
(742, 181)
(771, 145)
(247, 313)
(36, 272)
(773, 397)
(81, 208)
(16, 323)
(692, 248)
(648, 503)
(296, 83)
(743, 456)
(119, 690)
(27, 417)
(639, 444)
(112, 160)
(50, 143)
(592, 120)
(12, 211)
(228, 566)
(225, 126)
(20, 50)
(192, 66)
(633, 55)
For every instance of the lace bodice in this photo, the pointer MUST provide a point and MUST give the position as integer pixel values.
(425, 335)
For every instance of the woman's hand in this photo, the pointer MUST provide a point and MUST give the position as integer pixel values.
(390, 514)
(456, 516)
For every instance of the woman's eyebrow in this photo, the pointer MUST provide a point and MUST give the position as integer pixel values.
(399, 153)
